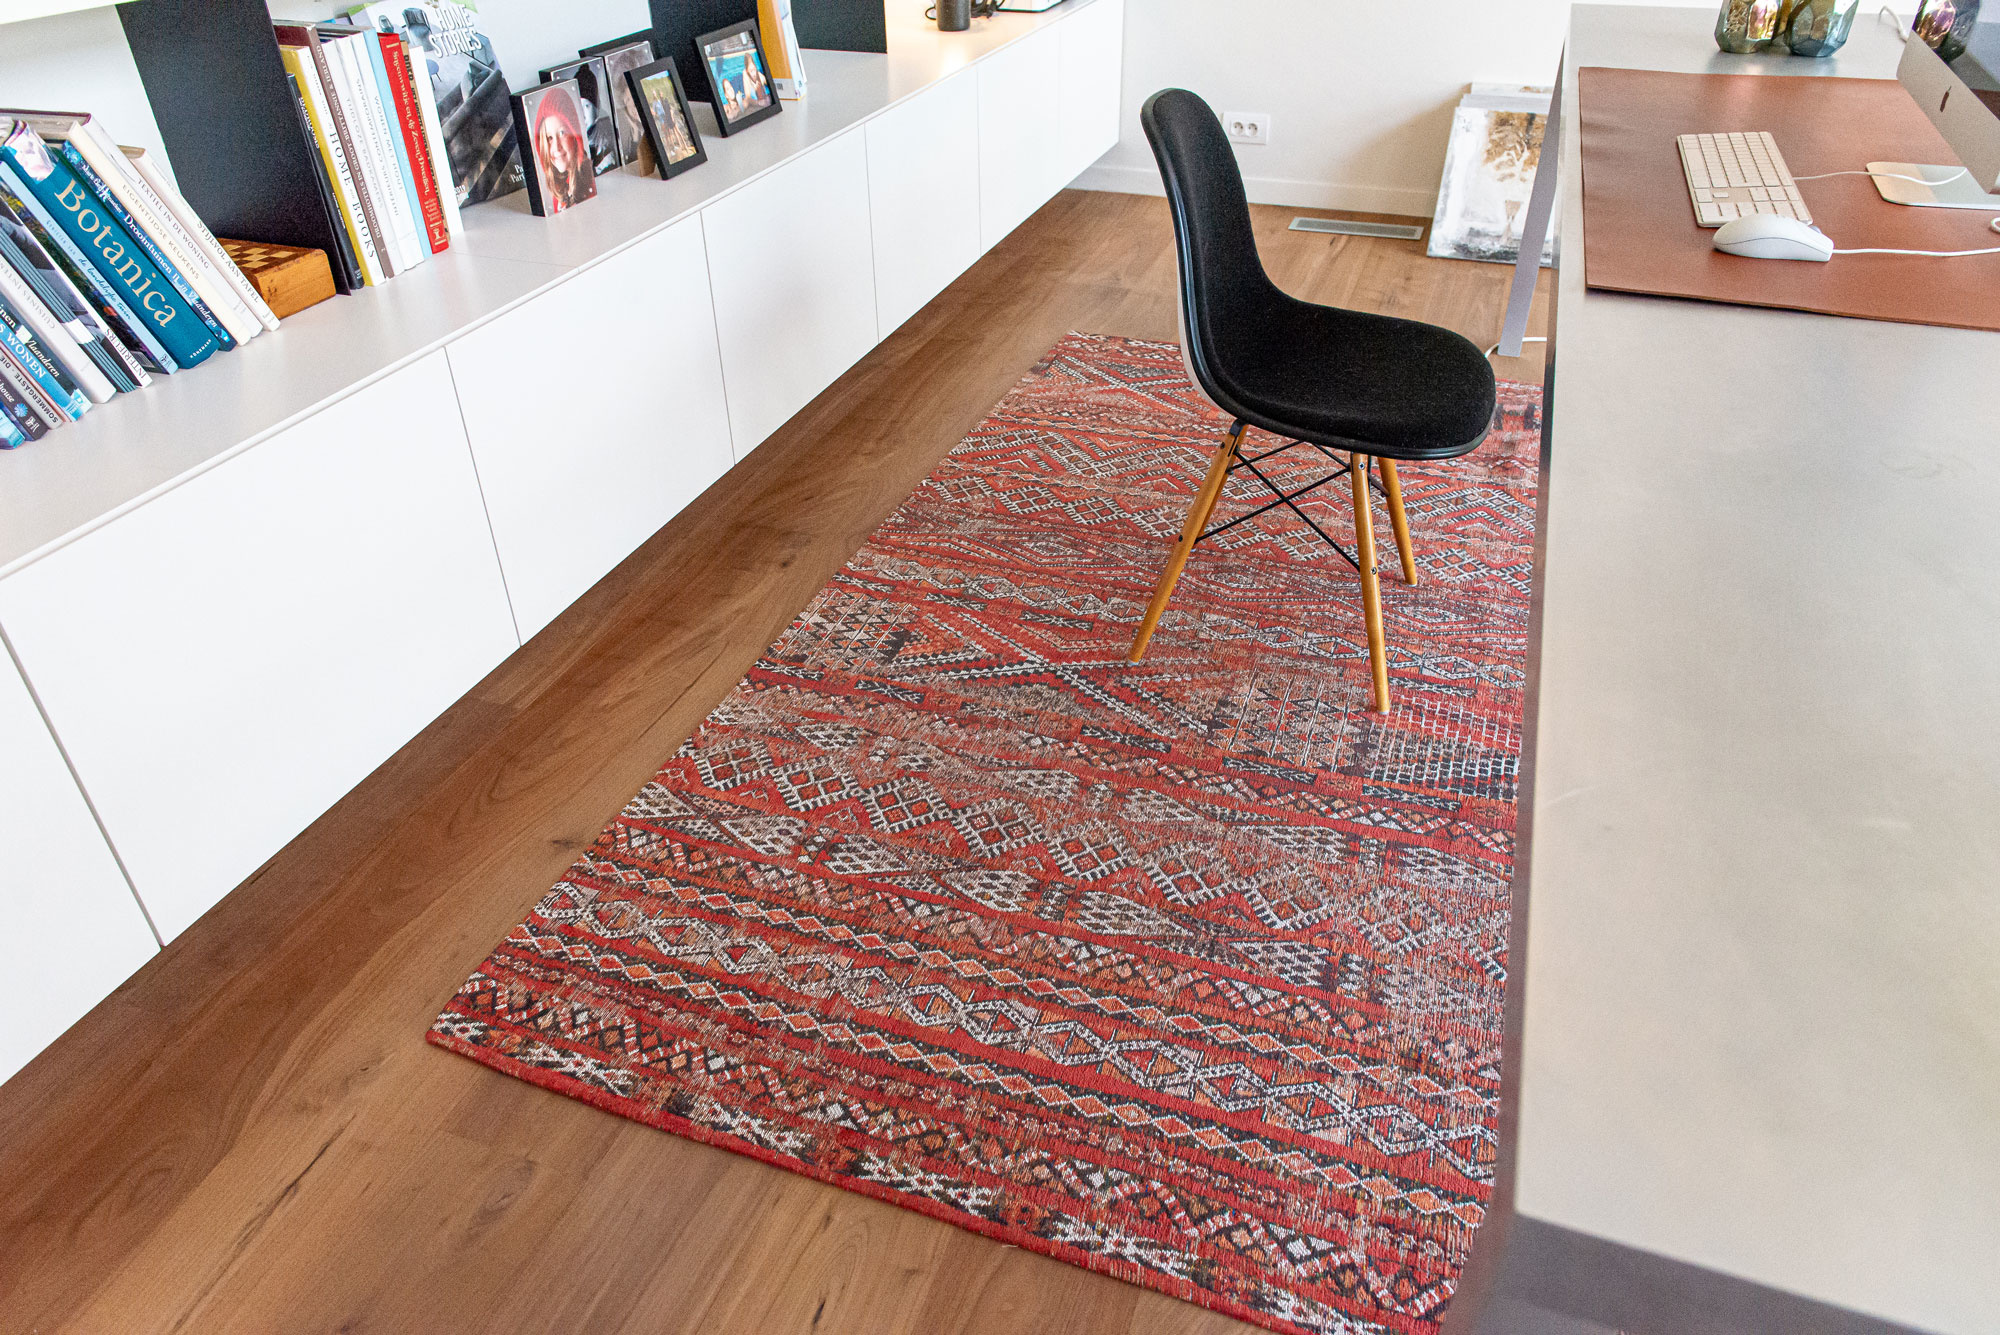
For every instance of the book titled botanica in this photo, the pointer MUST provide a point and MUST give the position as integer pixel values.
(471, 93)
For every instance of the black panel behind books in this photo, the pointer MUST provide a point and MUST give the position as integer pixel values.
(676, 23)
(228, 120)
(829, 25)
(842, 25)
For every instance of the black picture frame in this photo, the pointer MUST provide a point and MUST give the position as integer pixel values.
(644, 84)
(727, 43)
(595, 93)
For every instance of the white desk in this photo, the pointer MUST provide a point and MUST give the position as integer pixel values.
(1754, 1068)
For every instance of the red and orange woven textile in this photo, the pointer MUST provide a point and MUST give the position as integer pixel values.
(1189, 972)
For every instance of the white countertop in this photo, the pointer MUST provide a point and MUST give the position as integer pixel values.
(1762, 1007)
(141, 444)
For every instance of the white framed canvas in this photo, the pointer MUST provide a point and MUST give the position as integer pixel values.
(1489, 172)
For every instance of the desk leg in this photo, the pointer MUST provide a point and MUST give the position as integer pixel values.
(1535, 230)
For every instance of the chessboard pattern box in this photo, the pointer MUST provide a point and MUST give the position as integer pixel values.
(288, 278)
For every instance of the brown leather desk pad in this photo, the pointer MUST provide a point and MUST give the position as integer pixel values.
(1639, 232)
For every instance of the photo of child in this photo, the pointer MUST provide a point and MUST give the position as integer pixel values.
(736, 69)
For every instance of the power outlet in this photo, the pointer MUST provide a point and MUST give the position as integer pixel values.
(1247, 127)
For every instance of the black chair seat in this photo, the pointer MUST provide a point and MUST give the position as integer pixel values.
(1352, 380)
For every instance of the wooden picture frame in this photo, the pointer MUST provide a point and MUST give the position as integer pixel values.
(662, 97)
(739, 78)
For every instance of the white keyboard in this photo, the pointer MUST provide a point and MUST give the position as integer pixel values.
(1736, 175)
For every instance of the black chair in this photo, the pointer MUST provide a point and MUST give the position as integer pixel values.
(1367, 387)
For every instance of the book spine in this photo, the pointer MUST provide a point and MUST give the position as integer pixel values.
(188, 226)
(146, 216)
(51, 393)
(306, 65)
(64, 303)
(105, 243)
(55, 335)
(410, 121)
(24, 411)
(385, 108)
(132, 334)
(341, 256)
(102, 194)
(354, 168)
(12, 410)
(364, 112)
(447, 188)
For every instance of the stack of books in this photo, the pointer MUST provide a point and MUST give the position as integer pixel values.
(366, 105)
(107, 277)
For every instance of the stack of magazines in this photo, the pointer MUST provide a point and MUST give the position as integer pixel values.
(107, 277)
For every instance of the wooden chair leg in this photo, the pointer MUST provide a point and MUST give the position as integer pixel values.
(1371, 590)
(1398, 521)
(1197, 520)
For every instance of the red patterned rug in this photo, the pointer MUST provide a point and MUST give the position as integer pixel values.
(1187, 972)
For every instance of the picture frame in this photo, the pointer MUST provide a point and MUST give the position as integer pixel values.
(595, 92)
(548, 119)
(621, 58)
(671, 134)
(739, 78)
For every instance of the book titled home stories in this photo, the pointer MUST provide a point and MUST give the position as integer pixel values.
(466, 83)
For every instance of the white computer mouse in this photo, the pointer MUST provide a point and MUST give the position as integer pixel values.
(1766, 236)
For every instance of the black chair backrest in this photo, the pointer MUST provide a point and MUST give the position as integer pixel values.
(1223, 284)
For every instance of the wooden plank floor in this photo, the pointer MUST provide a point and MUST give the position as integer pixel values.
(251, 1134)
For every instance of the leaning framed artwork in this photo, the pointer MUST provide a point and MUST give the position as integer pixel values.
(738, 77)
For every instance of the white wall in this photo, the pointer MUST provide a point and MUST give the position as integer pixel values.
(1359, 92)
(77, 62)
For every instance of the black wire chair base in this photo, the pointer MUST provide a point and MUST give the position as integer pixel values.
(1290, 498)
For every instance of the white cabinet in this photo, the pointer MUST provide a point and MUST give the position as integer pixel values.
(1020, 132)
(226, 661)
(923, 192)
(793, 274)
(69, 928)
(595, 413)
(1093, 58)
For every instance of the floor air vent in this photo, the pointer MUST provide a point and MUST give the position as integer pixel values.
(1342, 227)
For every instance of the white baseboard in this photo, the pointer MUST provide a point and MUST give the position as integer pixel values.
(1276, 190)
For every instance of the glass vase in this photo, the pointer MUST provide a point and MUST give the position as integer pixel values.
(1815, 28)
(1946, 25)
(1745, 27)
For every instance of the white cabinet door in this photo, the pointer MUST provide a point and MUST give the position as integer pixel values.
(595, 413)
(923, 192)
(1093, 57)
(793, 273)
(70, 930)
(226, 661)
(1020, 132)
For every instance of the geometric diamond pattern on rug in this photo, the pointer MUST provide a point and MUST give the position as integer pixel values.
(1188, 971)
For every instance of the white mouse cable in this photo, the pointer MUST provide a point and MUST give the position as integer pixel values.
(1898, 176)
(1891, 176)
(1933, 254)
